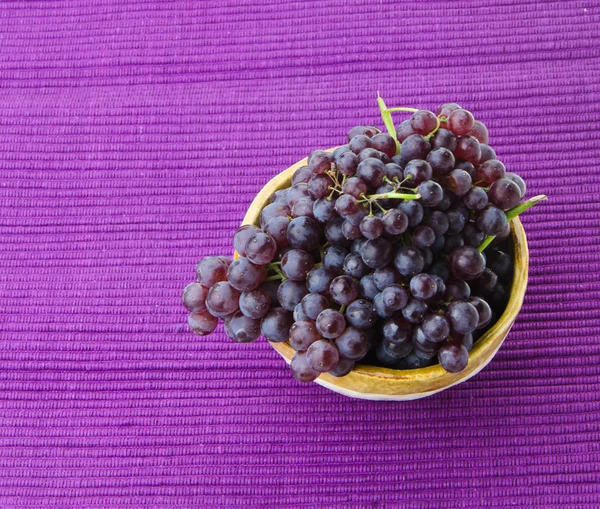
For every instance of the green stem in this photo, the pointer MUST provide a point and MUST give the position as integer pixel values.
(410, 110)
(386, 116)
(394, 196)
(277, 277)
(428, 137)
(342, 308)
(511, 214)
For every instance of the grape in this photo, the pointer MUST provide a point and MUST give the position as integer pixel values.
(460, 122)
(202, 322)
(290, 293)
(384, 143)
(319, 161)
(412, 361)
(194, 297)
(500, 263)
(319, 279)
(499, 298)
(443, 139)
(414, 311)
(301, 370)
(302, 174)
(414, 147)
(423, 287)
(404, 130)
(342, 149)
(425, 355)
(457, 289)
(352, 344)
(376, 253)
(472, 235)
(354, 266)
(245, 275)
(261, 248)
(372, 171)
(299, 314)
(313, 303)
(413, 210)
(303, 207)
(318, 187)
(334, 257)
(503, 235)
(302, 334)
(255, 304)
(386, 188)
(343, 367)
(274, 210)
(357, 245)
(448, 199)
(385, 357)
(468, 167)
(462, 316)
(240, 239)
(271, 287)
(467, 149)
(409, 261)
(396, 331)
(374, 154)
(346, 163)
(359, 143)
(423, 236)
(440, 269)
(350, 231)
(324, 210)
(334, 233)
(281, 252)
(244, 329)
(398, 350)
(304, 233)
(423, 122)
(371, 227)
(280, 196)
(277, 229)
(453, 356)
(517, 180)
(484, 312)
(380, 308)
(296, 264)
(466, 263)
(346, 205)
(417, 171)
(367, 130)
(394, 297)
(435, 327)
(355, 187)
(393, 172)
(275, 326)
(343, 290)
(438, 222)
(445, 109)
(476, 199)
(504, 193)
(330, 323)
(385, 276)
(459, 182)
(361, 314)
(491, 220)
(222, 299)
(211, 270)
(395, 221)
(422, 344)
(480, 132)
(490, 171)
(356, 217)
(322, 356)
(431, 193)
(367, 287)
(487, 153)
(441, 161)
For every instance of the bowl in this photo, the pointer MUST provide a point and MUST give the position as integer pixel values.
(378, 383)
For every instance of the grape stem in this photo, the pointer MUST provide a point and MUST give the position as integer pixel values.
(511, 214)
(428, 137)
(388, 122)
(393, 196)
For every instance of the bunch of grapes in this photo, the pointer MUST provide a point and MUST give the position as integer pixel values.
(375, 252)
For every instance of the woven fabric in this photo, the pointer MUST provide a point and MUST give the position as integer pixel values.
(133, 137)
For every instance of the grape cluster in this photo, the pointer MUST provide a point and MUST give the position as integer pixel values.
(374, 252)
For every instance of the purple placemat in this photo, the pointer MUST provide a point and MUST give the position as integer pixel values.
(133, 136)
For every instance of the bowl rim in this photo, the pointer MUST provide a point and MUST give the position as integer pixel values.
(374, 382)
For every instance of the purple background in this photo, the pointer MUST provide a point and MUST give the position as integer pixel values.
(133, 136)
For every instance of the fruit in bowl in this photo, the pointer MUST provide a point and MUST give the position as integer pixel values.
(390, 267)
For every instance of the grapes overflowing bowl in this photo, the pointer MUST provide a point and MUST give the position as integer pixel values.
(391, 267)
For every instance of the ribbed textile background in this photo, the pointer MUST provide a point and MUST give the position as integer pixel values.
(134, 135)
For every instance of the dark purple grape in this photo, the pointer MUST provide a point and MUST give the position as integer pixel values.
(409, 261)
(296, 264)
(202, 323)
(487, 153)
(492, 220)
(499, 298)
(222, 299)
(431, 193)
(395, 297)
(357, 217)
(342, 149)
(385, 276)
(462, 316)
(499, 262)
(437, 221)
(334, 233)
(194, 297)
(480, 132)
(366, 130)
(357, 245)
(380, 308)
(280, 196)
(212, 269)
(350, 231)
(371, 227)
(290, 293)
(373, 153)
(466, 340)
(412, 361)
(397, 350)
(395, 221)
(414, 147)
(517, 180)
(275, 326)
(324, 210)
(331, 323)
(319, 186)
(490, 171)
(484, 312)
(343, 290)
(277, 229)
(360, 142)
(245, 275)
(240, 239)
(504, 193)
(361, 314)
(472, 235)
(417, 171)
(397, 330)
(457, 289)
(441, 161)
(319, 161)
(355, 187)
(476, 199)
(384, 143)
(404, 130)
(319, 279)
(453, 356)
(367, 287)
(466, 263)
(244, 329)
(376, 253)
(456, 221)
(385, 357)
(346, 163)
(413, 210)
(301, 175)
(503, 235)
(302, 334)
(468, 167)
(427, 256)
(441, 286)
(451, 242)
(422, 344)
(301, 370)
(304, 233)
(394, 172)
(261, 248)
(468, 149)
(445, 109)
(270, 287)
(372, 171)
(255, 304)
(423, 287)
(275, 210)
(343, 367)
(295, 193)
(299, 314)
(485, 283)
(313, 303)
(443, 139)
(435, 327)
(459, 182)
(346, 205)
(334, 257)
(423, 236)
(354, 266)
(352, 344)
(460, 122)
(322, 356)
(438, 244)
(423, 121)
(414, 311)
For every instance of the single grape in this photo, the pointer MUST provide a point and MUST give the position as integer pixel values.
(395, 221)
(484, 312)
(396, 330)
(290, 293)
(366, 130)
(359, 143)
(487, 153)
(499, 298)
(468, 167)
(367, 287)
(212, 269)
(346, 163)
(423, 287)
(295, 193)
(261, 248)
(417, 171)
(456, 221)
(322, 356)
(393, 172)
(423, 122)
(324, 210)
(380, 307)
(355, 187)
(354, 266)
(395, 297)
(414, 147)
(480, 132)
(468, 149)
(503, 235)
(443, 139)
(194, 297)
(334, 233)
(472, 235)
(431, 193)
(457, 289)
(423, 236)
(255, 304)
(414, 311)
(427, 256)
(459, 182)
(385, 356)
(445, 109)
(448, 199)
(404, 130)
(372, 171)
(334, 257)
(350, 231)
(441, 286)
(313, 303)
(422, 344)
(299, 314)
(371, 227)
(517, 180)
(492, 220)
(374, 154)
(441, 161)
(280, 196)
(244, 329)
(319, 279)
(435, 327)
(222, 299)
(409, 261)
(319, 161)
(245, 275)
(343, 367)
(352, 344)
(376, 253)
(438, 244)
(500, 263)
(466, 263)
(240, 239)
(331, 323)
(384, 143)
(304, 233)
(504, 193)
(296, 264)
(277, 229)
(345, 205)
(453, 356)
(343, 290)
(462, 316)
(319, 186)
(437, 221)
(460, 122)
(301, 175)
(385, 276)
(398, 350)
(275, 326)
(301, 370)
(413, 210)
(302, 334)
(202, 322)
(490, 171)
(361, 314)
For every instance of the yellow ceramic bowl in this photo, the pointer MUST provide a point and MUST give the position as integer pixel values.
(377, 383)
